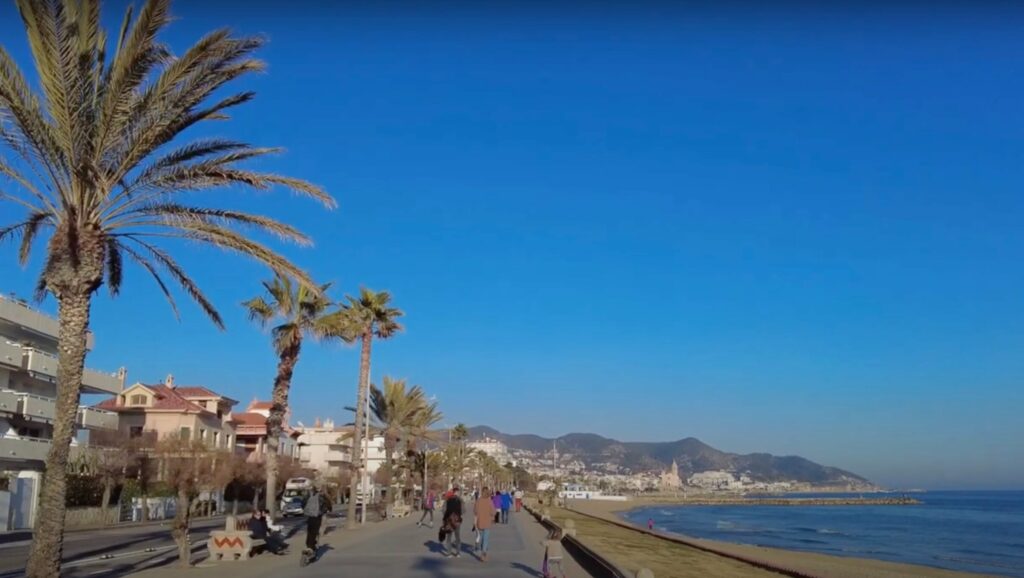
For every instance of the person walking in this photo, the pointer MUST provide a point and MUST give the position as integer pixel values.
(453, 523)
(316, 506)
(484, 519)
(496, 502)
(519, 500)
(428, 509)
(506, 505)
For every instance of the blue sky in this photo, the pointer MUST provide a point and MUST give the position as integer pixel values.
(792, 231)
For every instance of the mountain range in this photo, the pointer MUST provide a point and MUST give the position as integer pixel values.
(690, 454)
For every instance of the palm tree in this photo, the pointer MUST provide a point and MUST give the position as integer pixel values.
(404, 416)
(459, 435)
(367, 316)
(303, 312)
(93, 165)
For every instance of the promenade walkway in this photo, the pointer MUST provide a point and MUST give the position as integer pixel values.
(398, 549)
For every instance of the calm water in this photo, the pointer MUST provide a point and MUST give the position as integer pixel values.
(967, 531)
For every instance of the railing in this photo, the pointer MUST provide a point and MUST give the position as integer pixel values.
(44, 364)
(20, 313)
(36, 406)
(23, 448)
(9, 401)
(40, 362)
(594, 564)
(106, 382)
(92, 418)
(11, 354)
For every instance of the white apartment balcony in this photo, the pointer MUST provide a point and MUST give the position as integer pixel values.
(36, 408)
(43, 365)
(21, 314)
(11, 354)
(336, 456)
(92, 418)
(9, 401)
(104, 382)
(23, 448)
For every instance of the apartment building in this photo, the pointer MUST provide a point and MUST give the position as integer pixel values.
(251, 432)
(324, 447)
(164, 409)
(28, 387)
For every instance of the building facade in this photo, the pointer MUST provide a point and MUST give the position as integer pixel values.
(168, 409)
(324, 447)
(670, 479)
(494, 448)
(251, 432)
(28, 388)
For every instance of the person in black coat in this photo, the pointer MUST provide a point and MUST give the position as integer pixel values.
(453, 523)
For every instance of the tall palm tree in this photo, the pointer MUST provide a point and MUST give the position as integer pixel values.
(303, 312)
(404, 416)
(367, 316)
(460, 433)
(92, 161)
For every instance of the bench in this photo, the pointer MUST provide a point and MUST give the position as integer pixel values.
(233, 545)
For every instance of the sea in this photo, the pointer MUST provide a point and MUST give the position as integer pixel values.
(967, 531)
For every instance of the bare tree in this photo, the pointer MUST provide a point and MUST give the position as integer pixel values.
(190, 467)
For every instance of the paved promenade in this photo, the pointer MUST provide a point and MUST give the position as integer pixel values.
(396, 549)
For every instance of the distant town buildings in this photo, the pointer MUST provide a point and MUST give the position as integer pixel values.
(494, 448)
(670, 478)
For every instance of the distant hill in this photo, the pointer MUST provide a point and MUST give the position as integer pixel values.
(691, 454)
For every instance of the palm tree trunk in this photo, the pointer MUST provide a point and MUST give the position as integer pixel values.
(48, 543)
(275, 422)
(357, 437)
(180, 527)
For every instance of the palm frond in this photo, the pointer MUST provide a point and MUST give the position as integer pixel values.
(28, 235)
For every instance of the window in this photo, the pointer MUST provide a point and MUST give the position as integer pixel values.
(138, 399)
(135, 431)
(202, 435)
(216, 439)
(186, 433)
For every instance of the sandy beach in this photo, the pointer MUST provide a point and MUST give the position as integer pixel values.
(821, 565)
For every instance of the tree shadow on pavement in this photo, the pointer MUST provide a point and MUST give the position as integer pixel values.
(529, 570)
(132, 566)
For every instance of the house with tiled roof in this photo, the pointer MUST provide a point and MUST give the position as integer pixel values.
(165, 409)
(251, 432)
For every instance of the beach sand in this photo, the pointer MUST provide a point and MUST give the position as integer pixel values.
(667, 559)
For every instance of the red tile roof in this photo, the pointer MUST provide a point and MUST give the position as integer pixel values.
(260, 404)
(249, 418)
(197, 391)
(167, 399)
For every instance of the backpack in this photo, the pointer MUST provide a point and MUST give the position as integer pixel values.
(314, 506)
